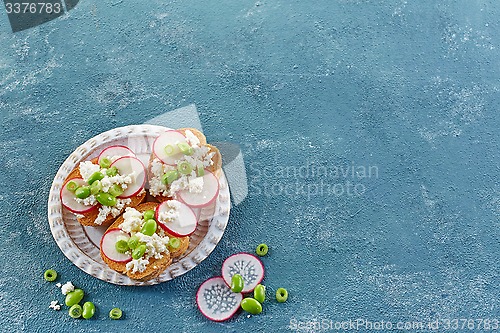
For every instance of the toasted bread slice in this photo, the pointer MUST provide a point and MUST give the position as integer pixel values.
(89, 217)
(215, 168)
(155, 266)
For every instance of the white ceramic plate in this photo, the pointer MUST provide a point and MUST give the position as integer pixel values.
(81, 244)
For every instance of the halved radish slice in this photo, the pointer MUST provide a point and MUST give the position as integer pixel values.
(68, 198)
(209, 192)
(248, 266)
(216, 301)
(127, 165)
(181, 226)
(171, 138)
(117, 150)
(108, 242)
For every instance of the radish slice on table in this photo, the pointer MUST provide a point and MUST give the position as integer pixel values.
(216, 301)
(248, 266)
(180, 226)
(68, 198)
(208, 194)
(115, 151)
(169, 139)
(127, 165)
(108, 242)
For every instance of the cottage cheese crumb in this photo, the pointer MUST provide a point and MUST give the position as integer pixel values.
(55, 306)
(58, 285)
(67, 287)
(137, 265)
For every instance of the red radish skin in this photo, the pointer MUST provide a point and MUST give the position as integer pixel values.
(67, 199)
(174, 230)
(133, 164)
(116, 150)
(196, 200)
(252, 277)
(108, 255)
(168, 137)
(225, 290)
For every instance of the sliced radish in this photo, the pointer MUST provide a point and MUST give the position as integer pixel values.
(108, 242)
(68, 198)
(208, 194)
(127, 165)
(117, 150)
(181, 226)
(168, 138)
(216, 301)
(248, 266)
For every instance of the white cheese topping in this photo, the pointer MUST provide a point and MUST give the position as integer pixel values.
(137, 265)
(115, 210)
(55, 306)
(192, 139)
(156, 245)
(87, 168)
(67, 287)
(201, 157)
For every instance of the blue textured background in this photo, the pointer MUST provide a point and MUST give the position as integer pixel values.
(411, 87)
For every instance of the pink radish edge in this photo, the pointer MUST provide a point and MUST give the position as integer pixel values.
(154, 143)
(205, 315)
(114, 146)
(91, 208)
(211, 201)
(170, 231)
(100, 246)
(143, 181)
(245, 253)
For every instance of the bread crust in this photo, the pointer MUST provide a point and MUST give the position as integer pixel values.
(155, 266)
(90, 216)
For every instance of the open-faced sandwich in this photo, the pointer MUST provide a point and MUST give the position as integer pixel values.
(143, 241)
(184, 167)
(99, 190)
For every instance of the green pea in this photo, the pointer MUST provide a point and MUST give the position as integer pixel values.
(170, 150)
(88, 310)
(96, 187)
(149, 228)
(75, 311)
(139, 251)
(237, 283)
(185, 148)
(115, 313)
(106, 199)
(72, 186)
(148, 215)
(95, 176)
(115, 190)
(82, 192)
(105, 163)
(133, 242)
(74, 297)
(169, 177)
(251, 305)
(121, 246)
(259, 293)
(262, 249)
(174, 243)
(281, 295)
(111, 172)
(50, 275)
(184, 167)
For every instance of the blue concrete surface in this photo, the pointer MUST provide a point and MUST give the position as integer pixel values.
(408, 88)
